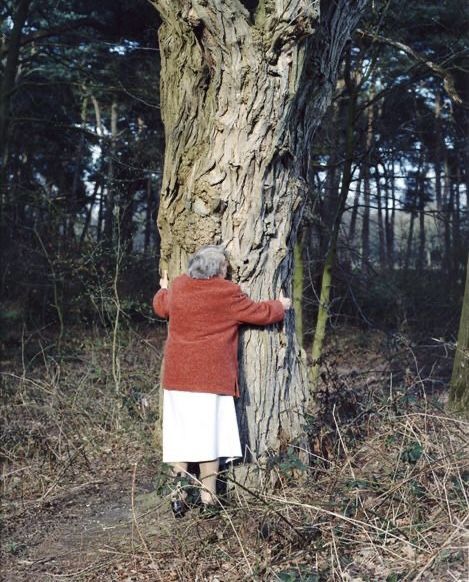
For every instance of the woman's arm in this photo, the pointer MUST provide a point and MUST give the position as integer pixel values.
(161, 299)
(161, 303)
(245, 310)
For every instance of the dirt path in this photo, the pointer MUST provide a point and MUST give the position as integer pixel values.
(71, 537)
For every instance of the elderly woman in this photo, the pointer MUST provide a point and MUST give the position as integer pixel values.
(200, 375)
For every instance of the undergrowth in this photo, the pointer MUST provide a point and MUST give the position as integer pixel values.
(382, 496)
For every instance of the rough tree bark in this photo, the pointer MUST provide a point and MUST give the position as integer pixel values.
(298, 287)
(242, 93)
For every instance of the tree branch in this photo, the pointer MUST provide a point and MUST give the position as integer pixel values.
(448, 80)
(34, 37)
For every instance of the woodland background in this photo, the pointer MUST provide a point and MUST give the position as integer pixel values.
(81, 150)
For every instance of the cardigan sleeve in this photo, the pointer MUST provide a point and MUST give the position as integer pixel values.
(161, 303)
(245, 310)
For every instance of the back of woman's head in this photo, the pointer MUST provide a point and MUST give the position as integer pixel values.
(207, 262)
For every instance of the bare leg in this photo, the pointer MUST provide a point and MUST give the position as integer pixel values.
(208, 477)
(179, 470)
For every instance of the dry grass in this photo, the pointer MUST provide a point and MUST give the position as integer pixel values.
(60, 415)
(394, 509)
(383, 498)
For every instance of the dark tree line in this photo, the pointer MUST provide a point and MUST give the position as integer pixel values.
(389, 204)
(386, 224)
(81, 147)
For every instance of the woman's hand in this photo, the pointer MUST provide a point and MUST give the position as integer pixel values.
(164, 280)
(285, 301)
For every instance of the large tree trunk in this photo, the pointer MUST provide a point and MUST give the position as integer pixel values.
(242, 93)
(148, 216)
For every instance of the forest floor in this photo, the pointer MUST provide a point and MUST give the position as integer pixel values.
(84, 497)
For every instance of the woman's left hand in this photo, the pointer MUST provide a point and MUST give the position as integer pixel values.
(285, 301)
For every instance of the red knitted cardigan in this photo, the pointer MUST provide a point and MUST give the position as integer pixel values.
(201, 351)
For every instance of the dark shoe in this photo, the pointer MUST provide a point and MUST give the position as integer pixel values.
(179, 508)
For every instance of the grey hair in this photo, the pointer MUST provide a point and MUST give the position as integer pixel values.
(207, 262)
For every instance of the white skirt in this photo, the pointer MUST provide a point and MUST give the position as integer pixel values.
(198, 427)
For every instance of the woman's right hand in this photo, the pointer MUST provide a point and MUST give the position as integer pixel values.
(164, 280)
(285, 301)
